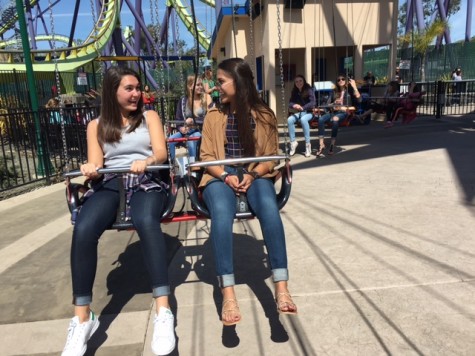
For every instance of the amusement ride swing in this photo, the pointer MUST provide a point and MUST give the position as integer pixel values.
(187, 181)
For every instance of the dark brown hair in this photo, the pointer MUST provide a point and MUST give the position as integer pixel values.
(248, 99)
(109, 129)
(305, 88)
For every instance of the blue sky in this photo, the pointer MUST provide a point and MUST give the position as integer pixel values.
(206, 15)
(457, 22)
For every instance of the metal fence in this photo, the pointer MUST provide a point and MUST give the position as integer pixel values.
(35, 147)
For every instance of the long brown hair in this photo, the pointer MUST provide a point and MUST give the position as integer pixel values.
(109, 129)
(305, 88)
(248, 99)
(338, 89)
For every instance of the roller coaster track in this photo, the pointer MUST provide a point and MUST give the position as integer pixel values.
(69, 58)
(187, 19)
(38, 38)
(12, 18)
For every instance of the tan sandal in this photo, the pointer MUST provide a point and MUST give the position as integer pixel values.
(234, 309)
(320, 151)
(287, 306)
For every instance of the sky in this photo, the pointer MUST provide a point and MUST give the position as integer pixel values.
(62, 13)
(63, 10)
(457, 22)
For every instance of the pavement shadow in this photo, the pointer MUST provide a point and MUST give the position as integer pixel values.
(251, 268)
(128, 279)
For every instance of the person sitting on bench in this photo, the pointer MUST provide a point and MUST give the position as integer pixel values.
(188, 126)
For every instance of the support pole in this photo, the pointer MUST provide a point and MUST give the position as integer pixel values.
(43, 168)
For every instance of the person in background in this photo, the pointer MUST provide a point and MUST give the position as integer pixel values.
(345, 98)
(209, 85)
(398, 76)
(123, 136)
(190, 114)
(369, 79)
(301, 105)
(387, 105)
(148, 98)
(407, 103)
(457, 85)
(242, 126)
(53, 107)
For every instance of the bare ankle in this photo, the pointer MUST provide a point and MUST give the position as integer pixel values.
(82, 312)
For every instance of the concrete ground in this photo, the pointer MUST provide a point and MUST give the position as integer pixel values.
(381, 248)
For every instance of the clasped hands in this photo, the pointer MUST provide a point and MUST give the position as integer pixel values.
(186, 128)
(239, 187)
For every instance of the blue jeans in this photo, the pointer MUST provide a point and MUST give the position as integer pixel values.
(341, 115)
(96, 215)
(191, 145)
(220, 200)
(304, 118)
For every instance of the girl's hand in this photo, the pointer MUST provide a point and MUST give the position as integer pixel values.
(89, 170)
(297, 107)
(139, 166)
(189, 121)
(232, 181)
(245, 183)
(184, 130)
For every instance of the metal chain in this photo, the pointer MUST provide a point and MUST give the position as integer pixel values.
(281, 70)
(94, 22)
(66, 157)
(234, 29)
(251, 40)
(178, 52)
(159, 68)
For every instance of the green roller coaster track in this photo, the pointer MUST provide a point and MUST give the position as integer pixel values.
(70, 58)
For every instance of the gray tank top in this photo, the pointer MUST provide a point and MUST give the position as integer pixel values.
(131, 147)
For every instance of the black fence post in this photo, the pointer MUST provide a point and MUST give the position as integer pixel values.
(440, 99)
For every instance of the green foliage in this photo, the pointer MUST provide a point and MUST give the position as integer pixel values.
(445, 77)
(8, 176)
(382, 80)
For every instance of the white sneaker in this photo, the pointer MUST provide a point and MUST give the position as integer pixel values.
(293, 147)
(308, 149)
(163, 341)
(79, 334)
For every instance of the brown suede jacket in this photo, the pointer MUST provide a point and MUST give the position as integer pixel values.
(213, 140)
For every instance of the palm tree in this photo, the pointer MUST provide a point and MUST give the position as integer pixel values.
(422, 40)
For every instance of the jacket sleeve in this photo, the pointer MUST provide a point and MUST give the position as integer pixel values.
(311, 103)
(291, 101)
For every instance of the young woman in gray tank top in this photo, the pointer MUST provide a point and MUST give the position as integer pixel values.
(124, 136)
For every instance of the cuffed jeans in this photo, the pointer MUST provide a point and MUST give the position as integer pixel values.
(96, 215)
(191, 145)
(304, 118)
(335, 123)
(220, 200)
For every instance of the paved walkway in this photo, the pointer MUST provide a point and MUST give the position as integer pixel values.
(381, 250)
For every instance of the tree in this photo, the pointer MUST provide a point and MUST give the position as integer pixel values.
(421, 41)
(429, 9)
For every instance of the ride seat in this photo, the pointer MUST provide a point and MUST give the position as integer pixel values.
(243, 211)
